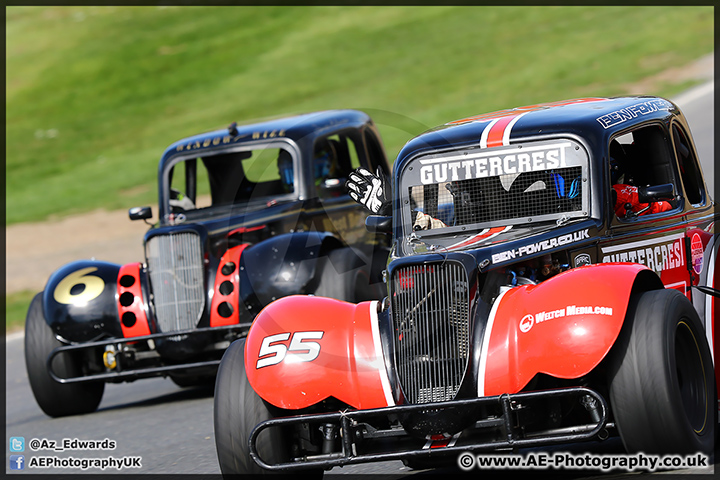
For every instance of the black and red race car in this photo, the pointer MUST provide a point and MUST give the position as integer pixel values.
(247, 215)
(551, 281)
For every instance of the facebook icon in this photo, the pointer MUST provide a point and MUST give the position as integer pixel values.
(17, 462)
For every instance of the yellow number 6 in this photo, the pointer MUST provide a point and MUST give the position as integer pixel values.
(94, 286)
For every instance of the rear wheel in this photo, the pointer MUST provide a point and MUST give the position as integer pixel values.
(662, 389)
(55, 399)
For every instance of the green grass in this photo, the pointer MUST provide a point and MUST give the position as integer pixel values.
(16, 307)
(94, 94)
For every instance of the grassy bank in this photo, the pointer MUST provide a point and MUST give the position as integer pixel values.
(16, 306)
(94, 94)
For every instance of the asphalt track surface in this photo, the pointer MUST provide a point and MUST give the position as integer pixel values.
(170, 429)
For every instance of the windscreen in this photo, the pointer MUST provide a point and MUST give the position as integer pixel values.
(245, 177)
(462, 191)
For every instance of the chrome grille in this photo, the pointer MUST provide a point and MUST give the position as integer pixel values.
(176, 278)
(432, 330)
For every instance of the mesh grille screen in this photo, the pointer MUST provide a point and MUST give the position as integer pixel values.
(175, 265)
(504, 197)
(430, 311)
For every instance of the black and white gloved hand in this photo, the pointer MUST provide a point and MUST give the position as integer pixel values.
(370, 190)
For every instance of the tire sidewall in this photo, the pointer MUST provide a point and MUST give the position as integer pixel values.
(54, 398)
(687, 319)
(644, 384)
(237, 410)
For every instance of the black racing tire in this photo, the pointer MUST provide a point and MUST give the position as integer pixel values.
(346, 275)
(662, 385)
(54, 398)
(237, 410)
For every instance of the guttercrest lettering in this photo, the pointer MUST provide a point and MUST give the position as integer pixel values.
(491, 164)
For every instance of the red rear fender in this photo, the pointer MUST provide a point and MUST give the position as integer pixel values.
(303, 349)
(562, 327)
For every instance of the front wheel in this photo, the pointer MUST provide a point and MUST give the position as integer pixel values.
(238, 409)
(55, 399)
(662, 388)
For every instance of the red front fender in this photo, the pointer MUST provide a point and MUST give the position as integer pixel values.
(562, 327)
(303, 349)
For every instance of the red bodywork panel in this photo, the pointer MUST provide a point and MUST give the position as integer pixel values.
(131, 309)
(562, 327)
(303, 349)
(225, 306)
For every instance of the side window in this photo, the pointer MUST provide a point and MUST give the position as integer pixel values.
(375, 152)
(354, 158)
(334, 157)
(641, 173)
(689, 169)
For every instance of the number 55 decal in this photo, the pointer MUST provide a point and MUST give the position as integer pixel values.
(273, 352)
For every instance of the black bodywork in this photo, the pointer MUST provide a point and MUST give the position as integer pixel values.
(224, 246)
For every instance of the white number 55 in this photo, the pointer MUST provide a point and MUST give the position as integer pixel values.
(272, 351)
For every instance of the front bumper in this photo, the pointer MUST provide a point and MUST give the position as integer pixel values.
(362, 442)
(158, 367)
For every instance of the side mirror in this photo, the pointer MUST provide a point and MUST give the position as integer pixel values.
(656, 193)
(140, 213)
(378, 224)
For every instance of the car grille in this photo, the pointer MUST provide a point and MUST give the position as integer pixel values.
(176, 278)
(432, 330)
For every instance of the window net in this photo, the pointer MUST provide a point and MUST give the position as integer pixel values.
(499, 198)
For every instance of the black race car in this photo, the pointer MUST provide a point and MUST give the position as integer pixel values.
(247, 215)
(551, 281)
